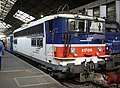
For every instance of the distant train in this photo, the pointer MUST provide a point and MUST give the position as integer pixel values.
(112, 32)
(9, 43)
(62, 42)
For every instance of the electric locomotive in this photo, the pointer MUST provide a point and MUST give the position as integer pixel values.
(112, 33)
(62, 42)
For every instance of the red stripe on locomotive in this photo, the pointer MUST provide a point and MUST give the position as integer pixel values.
(81, 51)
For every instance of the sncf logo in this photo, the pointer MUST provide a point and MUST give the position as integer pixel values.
(87, 50)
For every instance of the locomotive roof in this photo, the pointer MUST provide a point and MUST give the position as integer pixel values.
(42, 20)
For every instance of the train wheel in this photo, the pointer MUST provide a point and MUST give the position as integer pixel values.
(50, 72)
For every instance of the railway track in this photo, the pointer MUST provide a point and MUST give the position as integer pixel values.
(69, 82)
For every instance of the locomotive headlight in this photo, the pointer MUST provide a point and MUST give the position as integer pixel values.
(107, 48)
(73, 50)
(100, 49)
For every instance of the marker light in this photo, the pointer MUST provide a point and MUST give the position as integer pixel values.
(100, 49)
(73, 50)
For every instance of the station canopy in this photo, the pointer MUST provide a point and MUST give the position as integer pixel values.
(5, 7)
(14, 13)
(22, 16)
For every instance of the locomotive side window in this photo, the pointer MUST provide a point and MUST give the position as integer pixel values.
(39, 42)
(76, 25)
(33, 41)
(113, 30)
(15, 41)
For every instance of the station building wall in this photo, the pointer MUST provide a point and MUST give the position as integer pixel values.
(108, 9)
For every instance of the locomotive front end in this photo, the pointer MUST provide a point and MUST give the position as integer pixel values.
(82, 42)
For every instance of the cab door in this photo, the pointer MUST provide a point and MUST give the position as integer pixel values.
(49, 40)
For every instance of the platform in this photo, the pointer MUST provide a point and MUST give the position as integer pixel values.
(16, 73)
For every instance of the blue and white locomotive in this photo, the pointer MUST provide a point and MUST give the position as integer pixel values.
(61, 40)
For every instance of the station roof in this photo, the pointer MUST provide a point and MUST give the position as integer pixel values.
(17, 12)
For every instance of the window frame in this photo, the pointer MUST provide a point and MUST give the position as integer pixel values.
(15, 41)
(79, 30)
(34, 42)
(101, 30)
